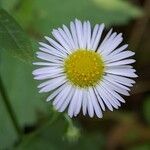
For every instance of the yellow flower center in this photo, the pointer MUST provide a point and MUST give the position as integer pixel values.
(84, 68)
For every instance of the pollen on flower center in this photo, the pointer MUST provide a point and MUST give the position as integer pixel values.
(84, 68)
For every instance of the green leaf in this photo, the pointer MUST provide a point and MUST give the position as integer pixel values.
(13, 39)
(24, 98)
(7, 131)
(53, 13)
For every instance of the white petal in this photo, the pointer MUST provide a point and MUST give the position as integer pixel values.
(113, 44)
(72, 103)
(118, 50)
(61, 97)
(85, 29)
(46, 70)
(74, 35)
(120, 56)
(67, 37)
(51, 50)
(61, 40)
(105, 39)
(98, 37)
(52, 84)
(55, 93)
(108, 43)
(84, 102)
(99, 99)
(104, 97)
(122, 80)
(110, 79)
(79, 32)
(112, 92)
(79, 102)
(48, 76)
(122, 62)
(47, 64)
(70, 39)
(90, 106)
(122, 72)
(96, 106)
(48, 57)
(114, 102)
(67, 101)
(88, 35)
(56, 45)
(119, 67)
(110, 98)
(94, 34)
(116, 88)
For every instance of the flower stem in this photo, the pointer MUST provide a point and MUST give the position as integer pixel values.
(10, 109)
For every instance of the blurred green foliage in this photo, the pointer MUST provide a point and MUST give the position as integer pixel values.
(38, 17)
(146, 109)
(41, 16)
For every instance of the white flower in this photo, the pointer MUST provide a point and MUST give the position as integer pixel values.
(84, 71)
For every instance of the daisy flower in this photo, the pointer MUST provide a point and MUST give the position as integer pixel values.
(84, 70)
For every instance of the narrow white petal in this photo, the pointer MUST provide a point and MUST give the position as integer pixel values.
(46, 70)
(48, 76)
(99, 99)
(61, 40)
(96, 106)
(104, 97)
(104, 47)
(90, 106)
(70, 39)
(56, 45)
(48, 57)
(52, 84)
(85, 34)
(79, 32)
(122, 62)
(122, 72)
(98, 37)
(61, 97)
(121, 56)
(51, 50)
(115, 43)
(84, 102)
(122, 80)
(47, 64)
(55, 93)
(116, 88)
(88, 34)
(112, 92)
(67, 101)
(105, 39)
(114, 102)
(118, 50)
(94, 34)
(119, 67)
(74, 35)
(66, 36)
(110, 98)
(72, 103)
(110, 79)
(79, 102)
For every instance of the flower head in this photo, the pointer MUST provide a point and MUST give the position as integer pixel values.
(84, 71)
